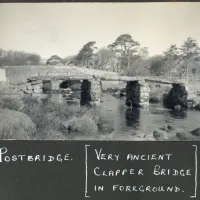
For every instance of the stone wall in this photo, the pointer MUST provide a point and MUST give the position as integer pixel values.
(137, 94)
(32, 87)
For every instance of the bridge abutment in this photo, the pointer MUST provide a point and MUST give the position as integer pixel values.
(91, 92)
(137, 94)
(31, 87)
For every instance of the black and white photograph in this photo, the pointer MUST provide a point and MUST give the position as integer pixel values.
(99, 101)
(100, 71)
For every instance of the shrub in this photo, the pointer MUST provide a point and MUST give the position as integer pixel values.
(50, 134)
(46, 117)
(16, 125)
(103, 126)
(82, 126)
(55, 121)
(11, 103)
(51, 117)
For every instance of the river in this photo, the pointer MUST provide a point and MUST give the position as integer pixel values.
(127, 122)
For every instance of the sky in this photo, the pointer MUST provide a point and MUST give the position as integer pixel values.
(63, 28)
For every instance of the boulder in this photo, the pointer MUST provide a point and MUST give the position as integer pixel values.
(184, 136)
(116, 94)
(177, 108)
(106, 128)
(197, 107)
(95, 103)
(159, 135)
(193, 102)
(28, 91)
(37, 90)
(123, 92)
(170, 128)
(15, 125)
(22, 87)
(38, 86)
(29, 87)
(163, 128)
(196, 132)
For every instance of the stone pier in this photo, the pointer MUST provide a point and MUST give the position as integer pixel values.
(180, 95)
(90, 92)
(137, 94)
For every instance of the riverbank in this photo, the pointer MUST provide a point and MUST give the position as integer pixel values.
(47, 120)
(51, 117)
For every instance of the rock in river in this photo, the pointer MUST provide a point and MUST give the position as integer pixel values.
(159, 135)
(171, 128)
(196, 132)
(184, 136)
(197, 107)
(116, 94)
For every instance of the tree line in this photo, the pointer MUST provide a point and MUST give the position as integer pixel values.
(125, 55)
(16, 58)
(182, 61)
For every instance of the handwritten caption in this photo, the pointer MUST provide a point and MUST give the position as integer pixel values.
(136, 172)
(6, 157)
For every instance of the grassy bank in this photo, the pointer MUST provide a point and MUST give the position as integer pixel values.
(53, 121)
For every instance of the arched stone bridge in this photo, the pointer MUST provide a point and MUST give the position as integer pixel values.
(137, 89)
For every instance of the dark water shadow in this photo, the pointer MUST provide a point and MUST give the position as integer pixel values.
(85, 93)
(177, 114)
(132, 116)
(65, 84)
(182, 114)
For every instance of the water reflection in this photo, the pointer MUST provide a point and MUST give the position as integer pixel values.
(132, 117)
(126, 121)
(178, 114)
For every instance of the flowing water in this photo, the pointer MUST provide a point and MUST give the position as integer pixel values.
(127, 122)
